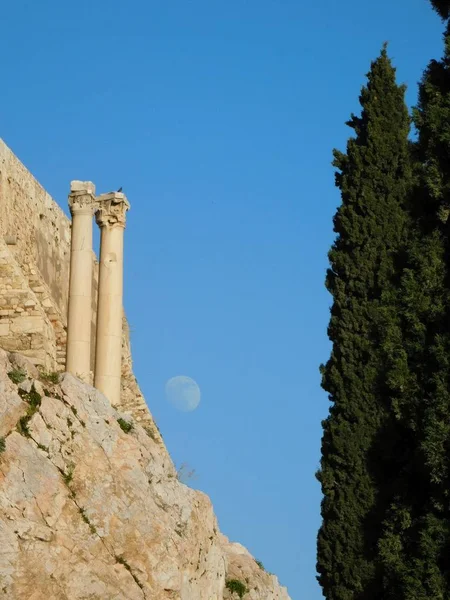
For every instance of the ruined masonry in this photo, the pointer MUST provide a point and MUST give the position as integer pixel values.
(110, 210)
(58, 306)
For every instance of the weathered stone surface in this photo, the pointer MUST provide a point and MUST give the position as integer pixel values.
(243, 567)
(88, 511)
(34, 278)
(11, 405)
(18, 361)
(23, 324)
(82, 186)
(26, 386)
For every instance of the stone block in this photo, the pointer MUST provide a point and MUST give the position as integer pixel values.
(82, 186)
(27, 324)
(14, 344)
(25, 386)
(47, 303)
(37, 342)
(38, 387)
(4, 329)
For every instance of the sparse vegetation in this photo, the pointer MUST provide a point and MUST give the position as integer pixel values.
(185, 474)
(236, 587)
(125, 426)
(151, 434)
(52, 377)
(68, 474)
(22, 426)
(32, 397)
(87, 521)
(34, 401)
(17, 375)
(180, 529)
(260, 565)
(123, 562)
(2, 444)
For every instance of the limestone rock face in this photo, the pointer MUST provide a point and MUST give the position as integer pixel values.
(91, 507)
(242, 567)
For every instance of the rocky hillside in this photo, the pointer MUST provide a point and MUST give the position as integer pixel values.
(91, 507)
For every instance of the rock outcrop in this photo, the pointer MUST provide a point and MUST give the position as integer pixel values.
(91, 507)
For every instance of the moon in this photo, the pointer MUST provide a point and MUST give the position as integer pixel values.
(183, 393)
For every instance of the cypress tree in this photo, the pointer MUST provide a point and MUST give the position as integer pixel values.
(442, 7)
(359, 437)
(415, 546)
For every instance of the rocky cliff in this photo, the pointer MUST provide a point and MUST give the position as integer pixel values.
(91, 507)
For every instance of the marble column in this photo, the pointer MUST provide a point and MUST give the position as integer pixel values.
(78, 354)
(110, 217)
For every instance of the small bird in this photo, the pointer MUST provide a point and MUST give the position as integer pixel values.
(120, 189)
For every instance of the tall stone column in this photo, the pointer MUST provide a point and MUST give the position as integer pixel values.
(110, 216)
(81, 203)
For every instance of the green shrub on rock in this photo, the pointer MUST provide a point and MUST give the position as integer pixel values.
(236, 587)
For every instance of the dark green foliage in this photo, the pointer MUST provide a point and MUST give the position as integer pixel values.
(415, 545)
(442, 7)
(2, 444)
(260, 565)
(17, 375)
(361, 434)
(236, 587)
(32, 397)
(22, 426)
(125, 426)
(34, 401)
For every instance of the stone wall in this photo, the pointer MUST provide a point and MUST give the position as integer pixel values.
(40, 229)
(34, 280)
(24, 325)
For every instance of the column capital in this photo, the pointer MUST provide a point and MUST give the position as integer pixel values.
(82, 197)
(111, 209)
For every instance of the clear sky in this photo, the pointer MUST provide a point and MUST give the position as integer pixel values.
(218, 119)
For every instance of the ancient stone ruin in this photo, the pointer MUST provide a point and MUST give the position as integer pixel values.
(59, 306)
(110, 210)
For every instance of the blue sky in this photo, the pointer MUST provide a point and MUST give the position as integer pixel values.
(218, 119)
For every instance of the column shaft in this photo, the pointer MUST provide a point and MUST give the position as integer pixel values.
(108, 355)
(80, 286)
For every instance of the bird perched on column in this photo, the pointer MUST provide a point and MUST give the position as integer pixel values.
(120, 189)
